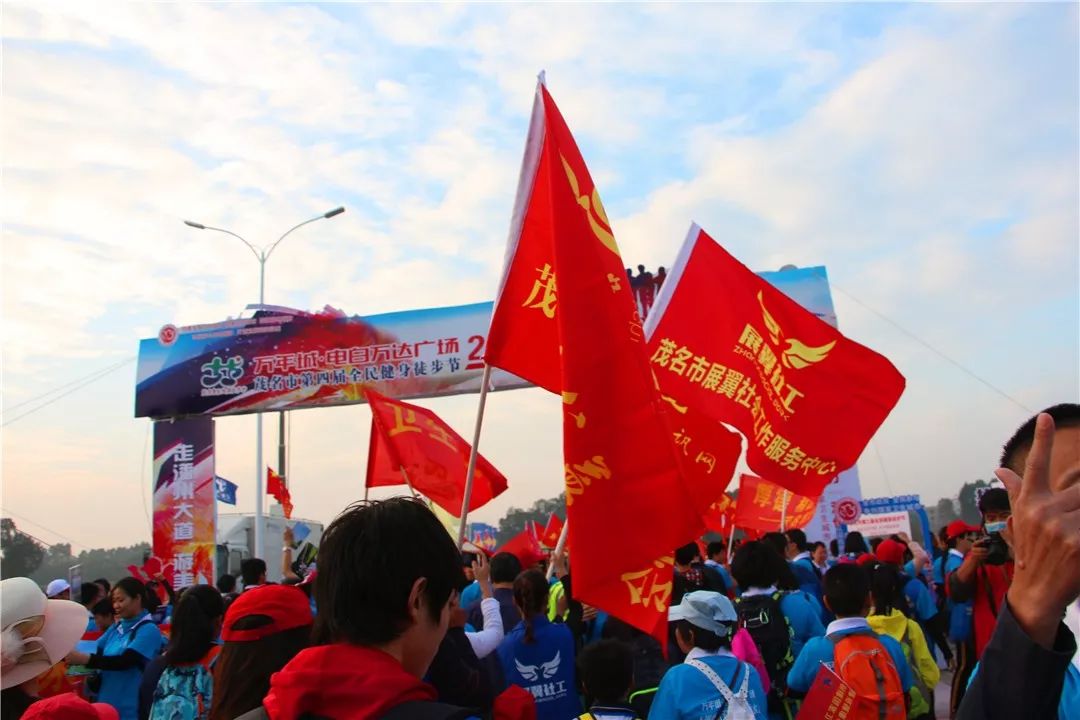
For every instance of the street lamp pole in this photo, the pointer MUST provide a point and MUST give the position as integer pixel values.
(262, 256)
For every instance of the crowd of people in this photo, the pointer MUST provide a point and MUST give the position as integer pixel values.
(397, 623)
(645, 286)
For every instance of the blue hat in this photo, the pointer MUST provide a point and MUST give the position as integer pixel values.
(707, 610)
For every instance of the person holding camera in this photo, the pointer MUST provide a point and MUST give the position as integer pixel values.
(987, 570)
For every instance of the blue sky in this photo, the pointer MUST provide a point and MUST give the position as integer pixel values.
(926, 154)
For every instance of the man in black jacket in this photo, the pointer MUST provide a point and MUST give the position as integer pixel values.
(1023, 668)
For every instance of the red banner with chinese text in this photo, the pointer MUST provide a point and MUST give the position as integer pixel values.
(725, 341)
(185, 506)
(710, 455)
(830, 698)
(412, 445)
(761, 505)
(565, 319)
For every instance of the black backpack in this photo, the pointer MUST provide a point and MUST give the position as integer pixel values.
(772, 633)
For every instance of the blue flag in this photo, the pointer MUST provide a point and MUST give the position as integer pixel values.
(225, 490)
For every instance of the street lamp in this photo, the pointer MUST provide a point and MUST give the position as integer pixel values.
(262, 256)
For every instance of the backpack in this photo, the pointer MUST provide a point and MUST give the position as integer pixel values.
(772, 633)
(736, 706)
(862, 661)
(920, 688)
(184, 692)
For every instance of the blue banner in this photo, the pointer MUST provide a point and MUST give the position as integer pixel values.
(225, 490)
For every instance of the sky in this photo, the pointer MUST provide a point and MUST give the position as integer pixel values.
(926, 154)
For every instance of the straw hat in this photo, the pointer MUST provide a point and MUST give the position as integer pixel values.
(35, 632)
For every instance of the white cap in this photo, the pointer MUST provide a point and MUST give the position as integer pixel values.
(36, 633)
(707, 610)
(56, 587)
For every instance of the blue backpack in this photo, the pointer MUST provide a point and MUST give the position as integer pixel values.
(185, 692)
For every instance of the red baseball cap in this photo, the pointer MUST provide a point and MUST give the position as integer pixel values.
(69, 706)
(286, 606)
(891, 551)
(959, 527)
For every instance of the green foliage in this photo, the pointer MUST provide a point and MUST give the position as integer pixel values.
(109, 563)
(21, 553)
(969, 506)
(516, 519)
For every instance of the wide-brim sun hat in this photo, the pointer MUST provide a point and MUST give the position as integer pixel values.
(35, 632)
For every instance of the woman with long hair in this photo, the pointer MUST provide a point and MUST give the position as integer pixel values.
(264, 629)
(889, 616)
(125, 649)
(540, 654)
(181, 676)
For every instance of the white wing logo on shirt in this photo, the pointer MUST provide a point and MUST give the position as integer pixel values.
(532, 673)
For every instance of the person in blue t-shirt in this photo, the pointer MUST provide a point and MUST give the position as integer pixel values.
(717, 552)
(847, 594)
(125, 649)
(711, 682)
(802, 564)
(538, 655)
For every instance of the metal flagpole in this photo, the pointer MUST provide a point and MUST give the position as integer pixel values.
(559, 547)
(783, 513)
(731, 543)
(471, 474)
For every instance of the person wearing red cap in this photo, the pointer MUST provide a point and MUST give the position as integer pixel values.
(70, 706)
(387, 583)
(960, 537)
(264, 629)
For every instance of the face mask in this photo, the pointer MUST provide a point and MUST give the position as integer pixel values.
(995, 527)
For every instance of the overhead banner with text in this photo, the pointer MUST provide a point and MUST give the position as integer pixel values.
(283, 359)
(185, 507)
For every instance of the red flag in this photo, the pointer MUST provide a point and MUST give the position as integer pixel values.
(761, 505)
(565, 319)
(710, 454)
(727, 342)
(525, 547)
(552, 531)
(721, 515)
(412, 444)
(275, 487)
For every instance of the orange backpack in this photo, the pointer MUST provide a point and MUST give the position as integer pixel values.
(861, 661)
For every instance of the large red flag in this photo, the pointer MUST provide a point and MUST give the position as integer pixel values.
(727, 342)
(410, 444)
(761, 506)
(275, 488)
(564, 318)
(525, 547)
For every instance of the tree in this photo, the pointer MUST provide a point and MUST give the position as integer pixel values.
(109, 563)
(21, 553)
(943, 514)
(516, 519)
(969, 501)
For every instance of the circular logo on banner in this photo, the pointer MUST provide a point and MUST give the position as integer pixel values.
(848, 511)
(167, 335)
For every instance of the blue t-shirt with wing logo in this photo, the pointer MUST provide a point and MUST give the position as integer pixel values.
(544, 667)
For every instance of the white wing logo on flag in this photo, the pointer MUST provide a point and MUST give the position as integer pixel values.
(543, 671)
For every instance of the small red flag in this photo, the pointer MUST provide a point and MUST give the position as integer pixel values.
(552, 531)
(275, 488)
(725, 341)
(565, 319)
(410, 444)
(761, 506)
(525, 547)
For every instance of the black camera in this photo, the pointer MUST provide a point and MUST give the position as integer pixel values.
(997, 550)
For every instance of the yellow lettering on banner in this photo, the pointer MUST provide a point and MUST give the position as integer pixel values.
(767, 359)
(793, 459)
(439, 433)
(664, 351)
(730, 383)
(750, 338)
(615, 282)
(810, 464)
(803, 505)
(792, 394)
(713, 377)
(763, 495)
(707, 459)
(778, 502)
(542, 296)
(698, 369)
(580, 477)
(681, 409)
(682, 440)
(678, 363)
(747, 392)
(776, 449)
(404, 421)
(569, 398)
(827, 468)
(594, 210)
(646, 586)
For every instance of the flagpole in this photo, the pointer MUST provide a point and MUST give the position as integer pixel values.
(559, 547)
(407, 482)
(473, 454)
(783, 513)
(366, 489)
(730, 542)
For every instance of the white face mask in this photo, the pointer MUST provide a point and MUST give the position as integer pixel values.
(995, 527)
